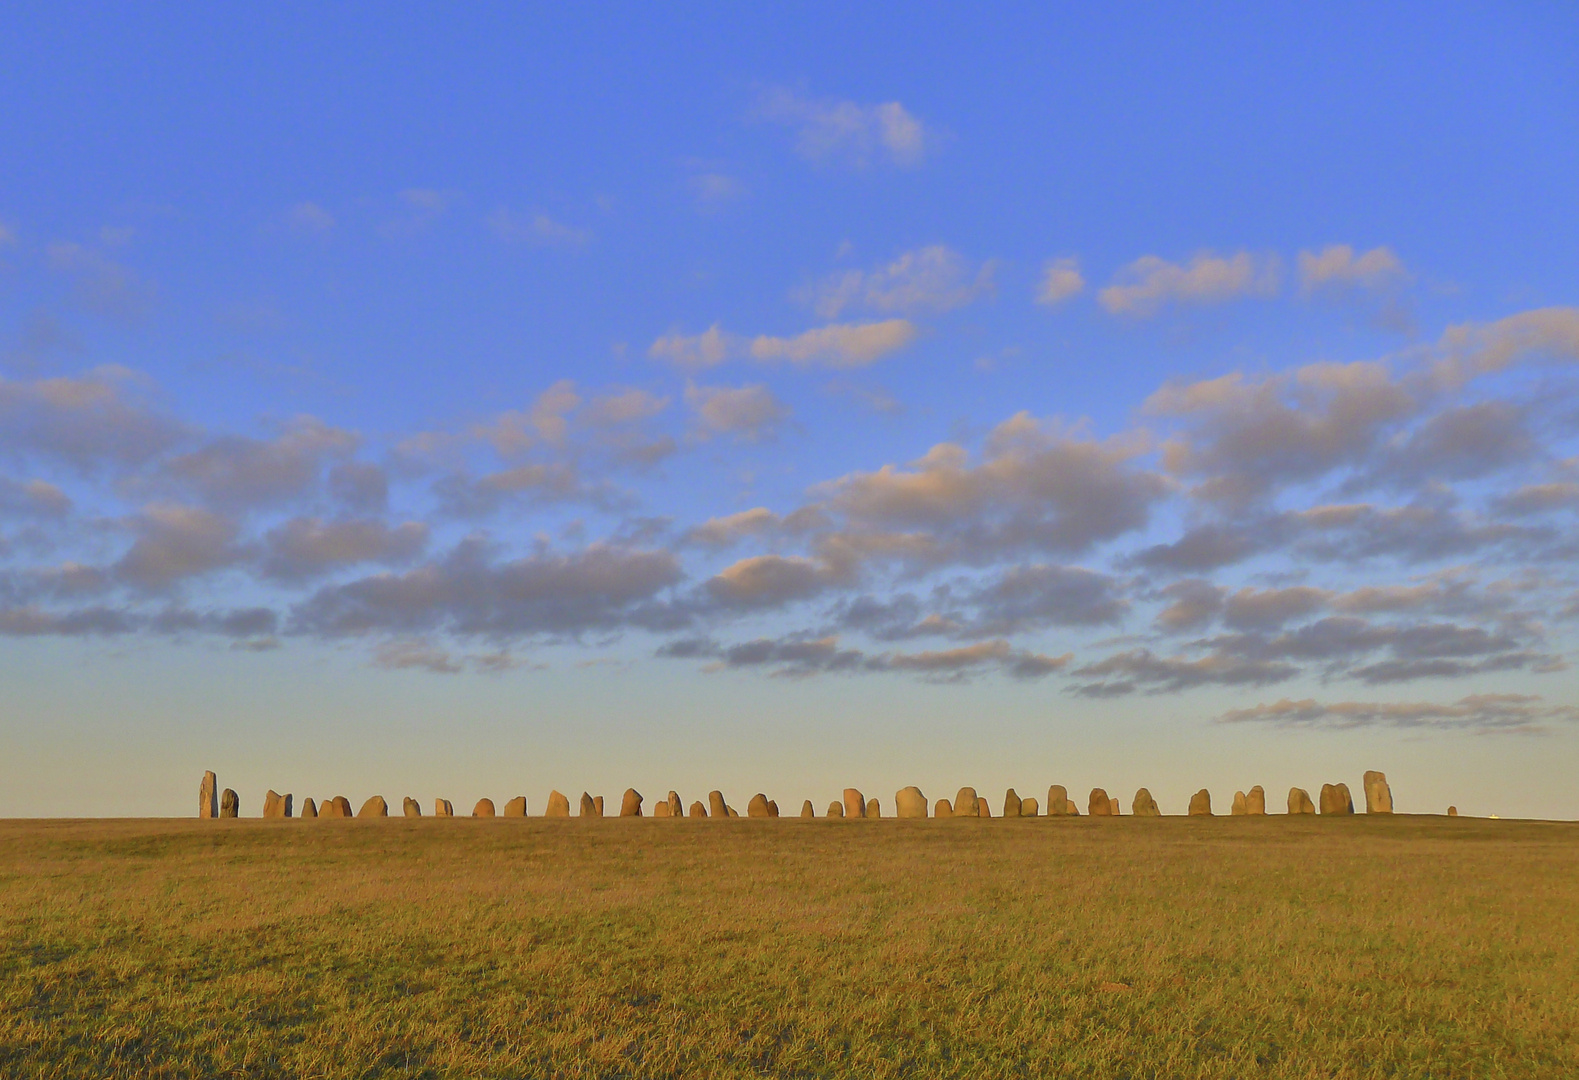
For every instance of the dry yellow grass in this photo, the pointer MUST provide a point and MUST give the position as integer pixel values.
(1277, 947)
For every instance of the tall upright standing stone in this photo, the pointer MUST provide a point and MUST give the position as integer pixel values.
(558, 805)
(874, 809)
(630, 803)
(410, 807)
(1240, 807)
(1299, 801)
(1058, 803)
(1144, 805)
(1335, 799)
(965, 802)
(910, 803)
(516, 807)
(1201, 804)
(807, 810)
(1378, 796)
(1011, 804)
(1098, 805)
(983, 808)
(229, 804)
(676, 807)
(597, 804)
(589, 808)
(773, 808)
(1255, 802)
(309, 808)
(854, 803)
(208, 796)
(716, 806)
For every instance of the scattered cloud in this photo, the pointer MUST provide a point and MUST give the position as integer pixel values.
(840, 345)
(845, 133)
(102, 286)
(931, 279)
(746, 412)
(89, 422)
(1512, 713)
(537, 230)
(1061, 279)
(1338, 268)
(1149, 284)
(305, 548)
(415, 654)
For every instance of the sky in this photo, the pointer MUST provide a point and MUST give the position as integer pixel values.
(413, 401)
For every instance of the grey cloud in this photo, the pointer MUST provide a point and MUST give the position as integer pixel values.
(800, 656)
(33, 498)
(420, 655)
(87, 422)
(303, 548)
(596, 588)
(1033, 597)
(746, 412)
(462, 496)
(1203, 548)
(1136, 669)
(1456, 444)
(177, 542)
(83, 622)
(239, 472)
(1478, 712)
(1192, 603)
(767, 581)
(360, 486)
(1265, 609)
(1532, 499)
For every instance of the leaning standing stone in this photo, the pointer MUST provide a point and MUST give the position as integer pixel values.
(807, 810)
(854, 803)
(983, 808)
(1240, 807)
(484, 808)
(558, 805)
(716, 805)
(309, 808)
(910, 803)
(1255, 802)
(758, 806)
(676, 807)
(773, 808)
(374, 807)
(1299, 801)
(516, 807)
(343, 804)
(1144, 805)
(965, 802)
(208, 796)
(229, 804)
(630, 803)
(1201, 804)
(1098, 804)
(1029, 807)
(1011, 804)
(698, 810)
(589, 808)
(1378, 796)
(411, 808)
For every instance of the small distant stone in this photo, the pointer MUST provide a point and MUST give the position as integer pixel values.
(1099, 805)
(374, 807)
(516, 807)
(1241, 807)
(1255, 802)
(229, 804)
(1113, 807)
(558, 805)
(630, 803)
(733, 812)
(1029, 807)
(943, 808)
(698, 810)
(1011, 804)
(597, 804)
(411, 808)
(443, 808)
(1144, 805)
(309, 808)
(342, 806)
(773, 808)
(910, 803)
(676, 807)
(716, 804)
(1378, 796)
(983, 808)
(1299, 801)
(484, 808)
(874, 809)
(276, 805)
(836, 809)
(661, 809)
(758, 806)
(1452, 811)
(1201, 804)
(807, 810)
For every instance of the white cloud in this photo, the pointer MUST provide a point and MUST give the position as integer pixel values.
(1337, 267)
(538, 230)
(848, 133)
(840, 345)
(748, 412)
(1147, 285)
(935, 278)
(693, 352)
(1061, 279)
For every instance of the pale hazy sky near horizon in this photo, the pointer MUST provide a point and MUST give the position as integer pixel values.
(430, 401)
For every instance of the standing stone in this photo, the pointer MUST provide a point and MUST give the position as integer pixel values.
(836, 809)
(1240, 807)
(874, 809)
(309, 808)
(965, 802)
(1255, 802)
(733, 812)
(716, 805)
(344, 805)
(910, 803)
(773, 808)
(443, 808)
(411, 808)
(807, 810)
(1058, 804)
(1335, 799)
(854, 803)
(676, 807)
(229, 804)
(274, 805)
(558, 805)
(208, 796)
(983, 808)
(484, 808)
(1113, 806)
(1452, 811)
(758, 806)
(1144, 805)
(698, 810)
(516, 807)
(630, 803)
(1099, 805)
(374, 807)
(943, 808)
(661, 808)
(589, 808)
(1299, 801)
(1029, 807)
(1378, 796)
(1201, 804)
(597, 804)
(1011, 804)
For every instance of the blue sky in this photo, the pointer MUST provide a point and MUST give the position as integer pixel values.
(421, 403)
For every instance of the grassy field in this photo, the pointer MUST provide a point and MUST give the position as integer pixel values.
(1226, 947)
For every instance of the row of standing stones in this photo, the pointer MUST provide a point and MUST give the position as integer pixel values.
(908, 803)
